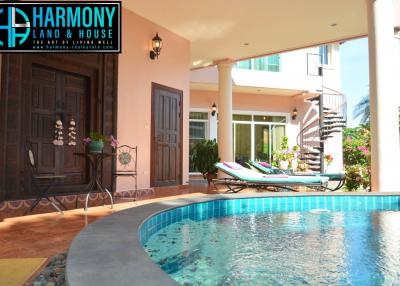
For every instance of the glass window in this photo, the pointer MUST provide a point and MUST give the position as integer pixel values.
(324, 54)
(241, 117)
(197, 130)
(255, 137)
(264, 118)
(271, 63)
(243, 65)
(278, 132)
(261, 64)
(198, 115)
(242, 143)
(198, 124)
(261, 143)
(274, 63)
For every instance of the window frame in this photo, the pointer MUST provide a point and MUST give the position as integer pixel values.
(267, 64)
(324, 55)
(207, 127)
(253, 123)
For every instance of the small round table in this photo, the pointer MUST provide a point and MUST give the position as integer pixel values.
(95, 160)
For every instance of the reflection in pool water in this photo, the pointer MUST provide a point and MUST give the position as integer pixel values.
(279, 247)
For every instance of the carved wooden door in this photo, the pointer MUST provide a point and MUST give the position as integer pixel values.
(59, 95)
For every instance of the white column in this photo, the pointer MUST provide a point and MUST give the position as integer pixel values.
(385, 147)
(225, 146)
(213, 127)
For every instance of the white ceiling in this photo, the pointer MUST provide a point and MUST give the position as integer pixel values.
(218, 29)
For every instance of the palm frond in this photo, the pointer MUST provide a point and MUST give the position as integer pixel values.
(362, 109)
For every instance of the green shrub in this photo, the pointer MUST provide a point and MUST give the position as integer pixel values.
(354, 178)
(357, 157)
(204, 156)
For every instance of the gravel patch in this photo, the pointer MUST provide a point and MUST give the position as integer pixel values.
(53, 274)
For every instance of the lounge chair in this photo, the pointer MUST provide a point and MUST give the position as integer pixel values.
(333, 177)
(242, 178)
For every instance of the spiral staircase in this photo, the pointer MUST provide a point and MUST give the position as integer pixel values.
(331, 119)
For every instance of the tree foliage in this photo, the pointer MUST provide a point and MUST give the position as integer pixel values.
(357, 157)
(362, 109)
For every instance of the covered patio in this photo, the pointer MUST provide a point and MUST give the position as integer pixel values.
(144, 102)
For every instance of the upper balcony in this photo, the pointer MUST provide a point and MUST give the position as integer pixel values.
(288, 73)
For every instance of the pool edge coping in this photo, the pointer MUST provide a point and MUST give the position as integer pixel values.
(94, 251)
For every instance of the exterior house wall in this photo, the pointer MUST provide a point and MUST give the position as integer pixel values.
(294, 76)
(332, 75)
(396, 11)
(136, 73)
(203, 100)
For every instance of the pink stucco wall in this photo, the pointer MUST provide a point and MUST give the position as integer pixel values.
(136, 72)
(262, 103)
(244, 101)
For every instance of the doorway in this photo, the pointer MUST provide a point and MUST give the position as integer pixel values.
(58, 95)
(166, 136)
(256, 137)
(38, 89)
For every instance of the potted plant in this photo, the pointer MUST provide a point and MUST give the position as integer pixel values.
(205, 155)
(284, 159)
(283, 155)
(96, 140)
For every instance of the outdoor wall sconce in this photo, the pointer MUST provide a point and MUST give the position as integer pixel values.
(213, 109)
(156, 43)
(294, 113)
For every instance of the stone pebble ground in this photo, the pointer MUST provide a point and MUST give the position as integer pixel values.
(53, 274)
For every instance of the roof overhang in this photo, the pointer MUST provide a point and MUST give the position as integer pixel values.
(237, 29)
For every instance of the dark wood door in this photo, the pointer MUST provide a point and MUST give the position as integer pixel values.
(166, 155)
(34, 90)
(59, 95)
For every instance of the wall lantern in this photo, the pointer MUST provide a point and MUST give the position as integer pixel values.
(156, 43)
(213, 109)
(294, 113)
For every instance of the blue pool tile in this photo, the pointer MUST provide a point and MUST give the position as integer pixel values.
(228, 207)
(236, 204)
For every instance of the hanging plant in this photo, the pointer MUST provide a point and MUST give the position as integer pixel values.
(58, 133)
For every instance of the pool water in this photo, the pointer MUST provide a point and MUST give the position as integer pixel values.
(351, 242)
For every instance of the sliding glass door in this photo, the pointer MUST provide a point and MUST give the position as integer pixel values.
(262, 139)
(242, 142)
(277, 134)
(257, 137)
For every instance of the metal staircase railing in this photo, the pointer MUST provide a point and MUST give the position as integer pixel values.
(331, 119)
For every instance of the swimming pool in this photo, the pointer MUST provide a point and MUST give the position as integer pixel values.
(294, 240)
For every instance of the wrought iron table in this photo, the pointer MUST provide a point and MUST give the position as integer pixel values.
(95, 160)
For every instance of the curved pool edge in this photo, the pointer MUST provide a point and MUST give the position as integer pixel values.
(109, 252)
